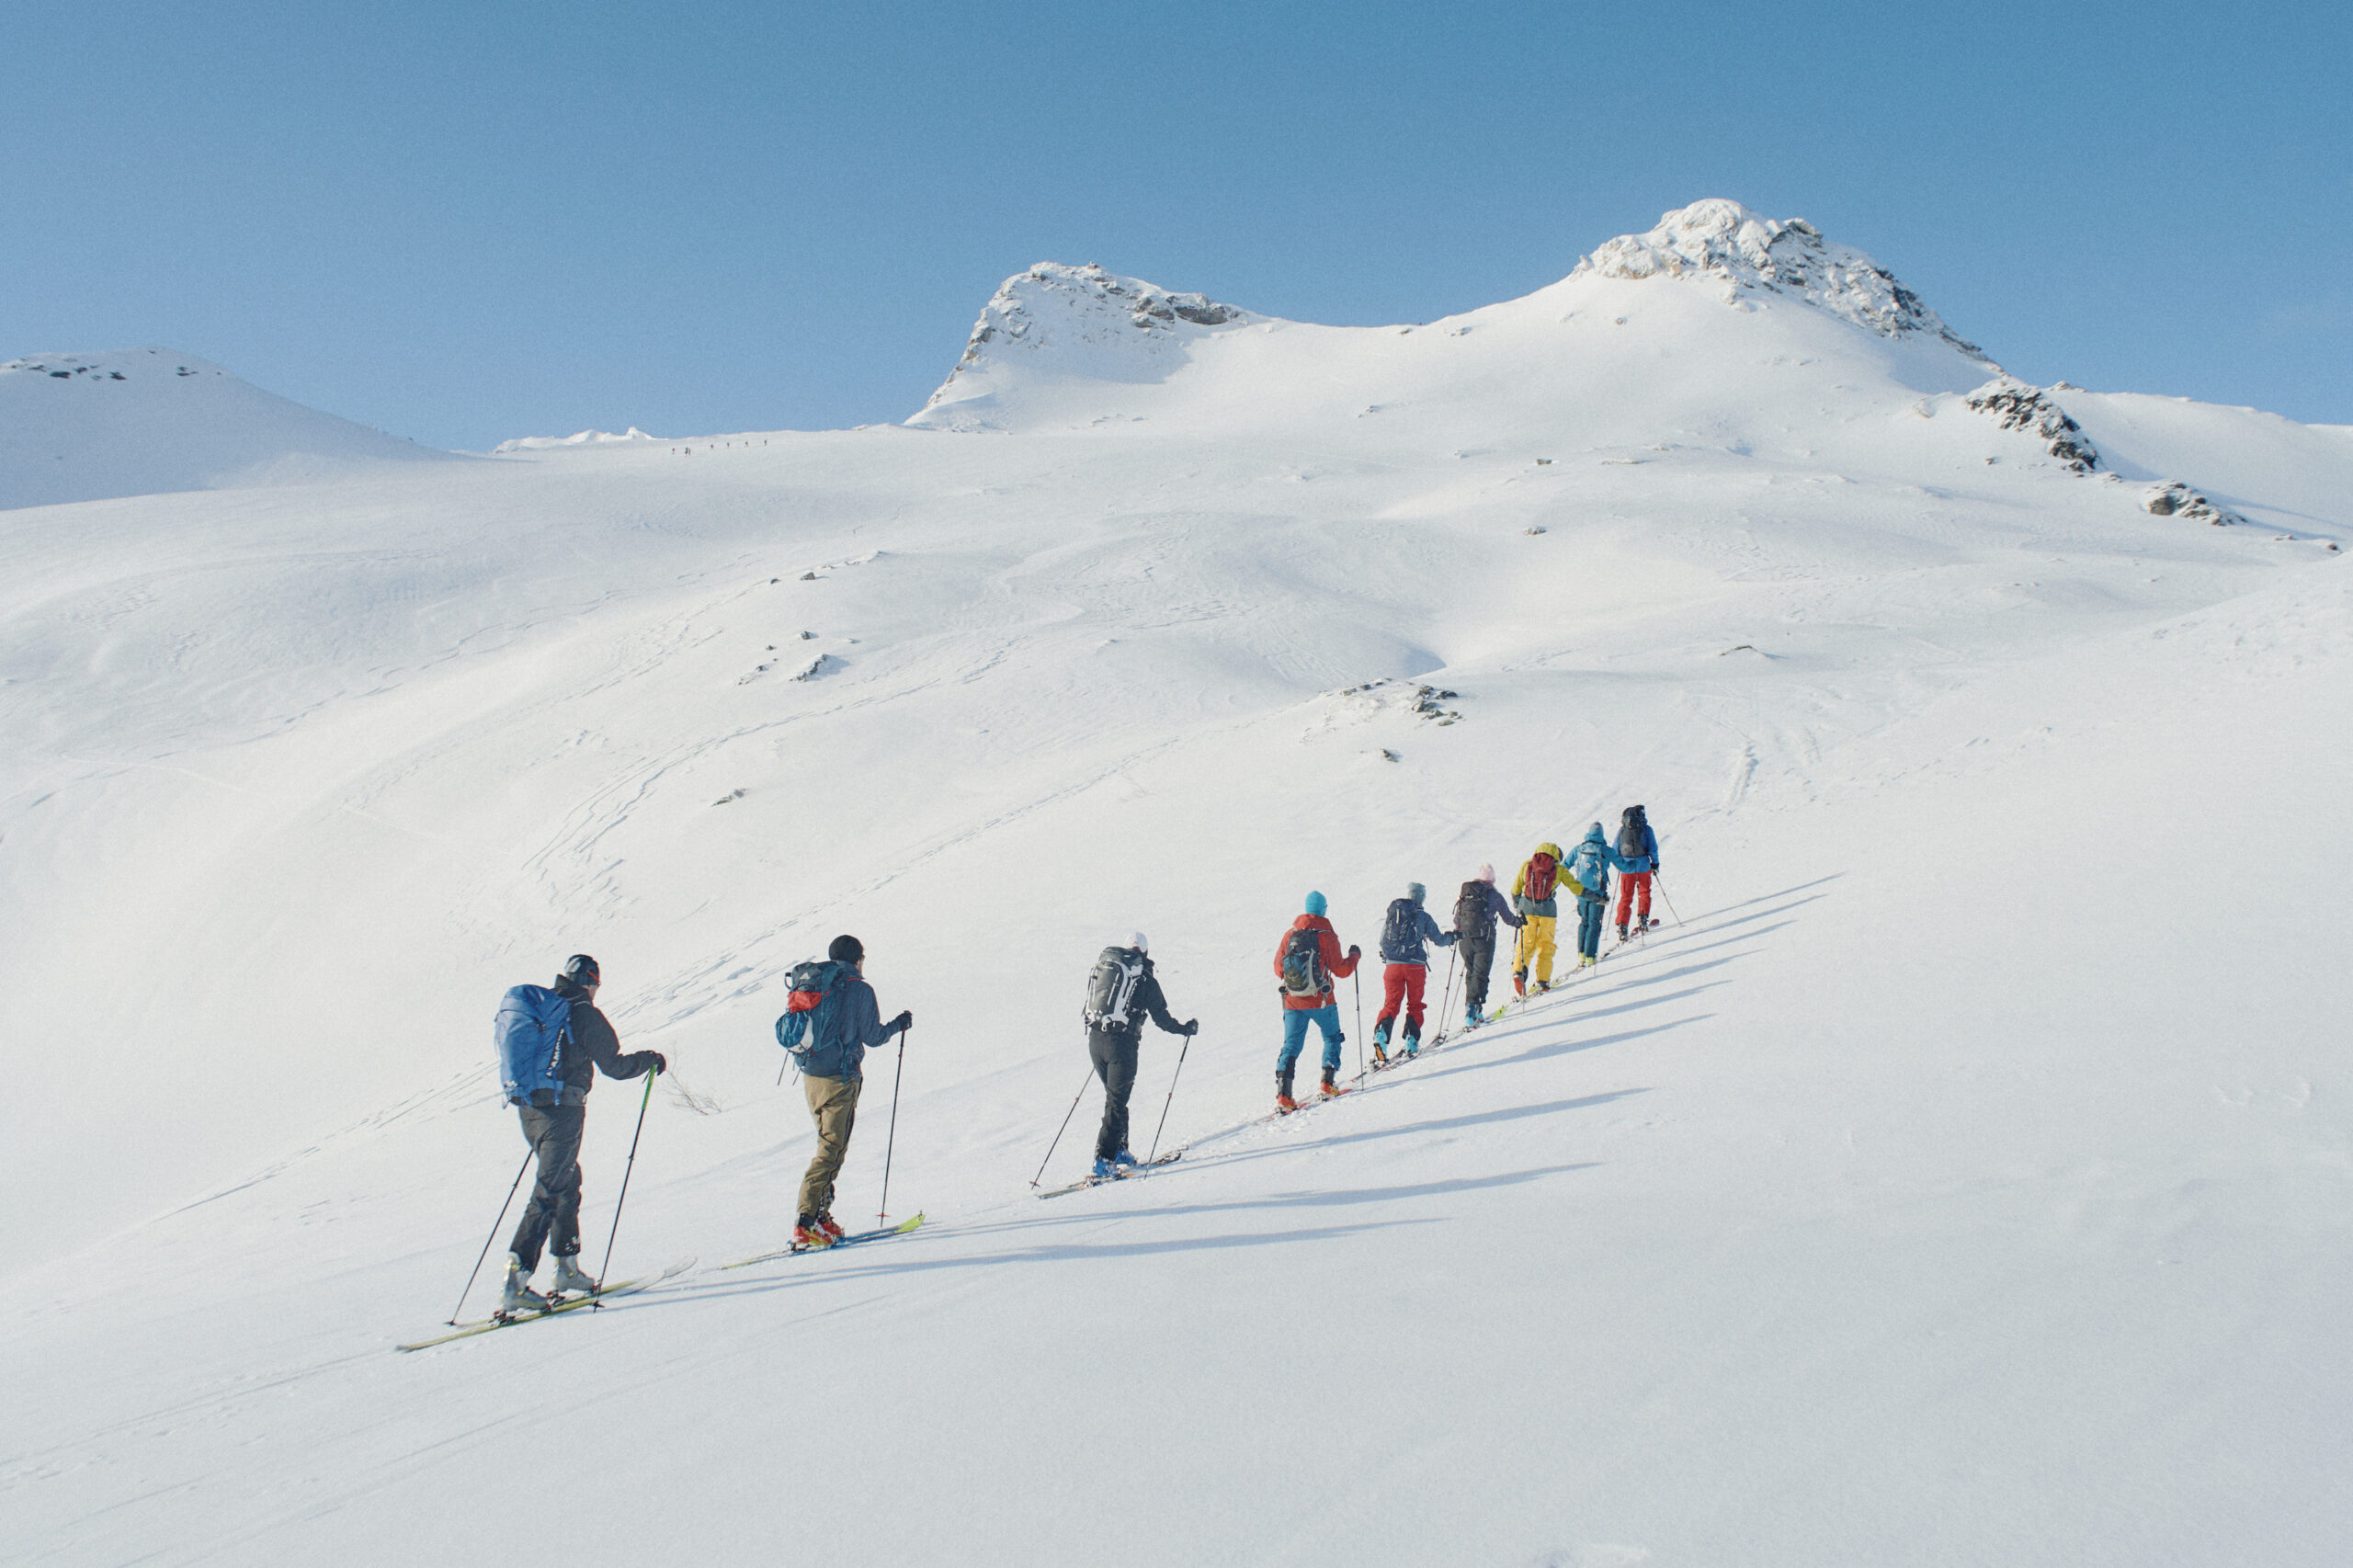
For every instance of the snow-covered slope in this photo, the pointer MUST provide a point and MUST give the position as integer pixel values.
(1956, 1183)
(143, 421)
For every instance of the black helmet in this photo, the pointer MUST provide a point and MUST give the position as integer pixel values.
(847, 949)
(580, 969)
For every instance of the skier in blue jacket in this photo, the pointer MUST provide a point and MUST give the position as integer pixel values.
(841, 1032)
(1590, 863)
(1403, 935)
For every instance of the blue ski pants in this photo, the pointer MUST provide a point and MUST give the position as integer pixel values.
(1295, 1021)
(1590, 914)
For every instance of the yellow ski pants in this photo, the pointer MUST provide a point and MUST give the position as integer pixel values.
(1535, 942)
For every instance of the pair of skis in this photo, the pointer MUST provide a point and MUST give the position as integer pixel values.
(560, 1305)
(1129, 1174)
(901, 1229)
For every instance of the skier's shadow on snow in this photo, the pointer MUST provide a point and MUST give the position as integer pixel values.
(1569, 1047)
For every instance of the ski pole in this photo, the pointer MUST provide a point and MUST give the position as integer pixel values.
(892, 1141)
(495, 1226)
(1169, 1101)
(1670, 902)
(1065, 1126)
(1357, 981)
(620, 1203)
(1444, 991)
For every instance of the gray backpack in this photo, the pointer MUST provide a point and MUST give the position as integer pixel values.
(1111, 986)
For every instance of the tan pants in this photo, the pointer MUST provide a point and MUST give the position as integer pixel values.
(833, 1102)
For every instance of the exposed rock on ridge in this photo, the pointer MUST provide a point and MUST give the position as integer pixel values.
(1722, 239)
(1094, 325)
(2018, 406)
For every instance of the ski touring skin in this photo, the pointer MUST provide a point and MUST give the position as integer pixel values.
(1085, 1182)
(901, 1229)
(561, 1304)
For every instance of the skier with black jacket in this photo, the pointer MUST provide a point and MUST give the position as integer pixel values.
(552, 1123)
(1121, 991)
(1476, 909)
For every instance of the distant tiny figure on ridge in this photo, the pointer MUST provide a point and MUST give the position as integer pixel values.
(1121, 991)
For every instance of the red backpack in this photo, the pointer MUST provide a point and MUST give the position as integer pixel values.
(1538, 884)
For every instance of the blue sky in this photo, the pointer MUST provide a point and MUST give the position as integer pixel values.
(464, 222)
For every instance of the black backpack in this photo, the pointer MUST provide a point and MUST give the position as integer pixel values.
(1633, 828)
(1402, 928)
(1112, 985)
(1471, 909)
(1303, 971)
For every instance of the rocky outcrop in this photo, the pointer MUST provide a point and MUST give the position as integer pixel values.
(2018, 406)
(1071, 322)
(2172, 498)
(1725, 240)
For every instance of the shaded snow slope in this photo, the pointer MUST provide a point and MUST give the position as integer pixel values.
(143, 421)
(1952, 1185)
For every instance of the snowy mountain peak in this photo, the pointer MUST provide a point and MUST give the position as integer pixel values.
(142, 420)
(1725, 240)
(1093, 324)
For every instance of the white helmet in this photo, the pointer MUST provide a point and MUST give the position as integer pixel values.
(1139, 944)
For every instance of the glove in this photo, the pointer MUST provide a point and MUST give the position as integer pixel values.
(1192, 1026)
(901, 1023)
(657, 1061)
(1355, 953)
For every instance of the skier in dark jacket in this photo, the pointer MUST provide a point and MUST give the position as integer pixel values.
(1476, 909)
(1120, 993)
(841, 1030)
(1404, 935)
(553, 1216)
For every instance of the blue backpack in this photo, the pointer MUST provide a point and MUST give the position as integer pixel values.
(1588, 868)
(811, 985)
(533, 1025)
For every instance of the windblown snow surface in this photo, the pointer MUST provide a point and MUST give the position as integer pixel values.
(1961, 1177)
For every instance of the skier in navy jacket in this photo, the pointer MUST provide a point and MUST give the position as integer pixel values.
(1403, 934)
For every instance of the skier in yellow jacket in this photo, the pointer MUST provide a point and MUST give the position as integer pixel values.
(1535, 893)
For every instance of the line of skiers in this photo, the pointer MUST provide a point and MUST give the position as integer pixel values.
(552, 1041)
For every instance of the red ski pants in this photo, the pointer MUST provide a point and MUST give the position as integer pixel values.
(1400, 985)
(1629, 886)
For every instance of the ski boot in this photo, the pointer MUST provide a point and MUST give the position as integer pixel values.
(1470, 1019)
(1126, 1161)
(1412, 1043)
(807, 1235)
(1621, 930)
(1519, 981)
(1104, 1170)
(518, 1296)
(825, 1223)
(1329, 1089)
(569, 1280)
(1283, 1102)
(1587, 960)
(1380, 1044)
(1543, 986)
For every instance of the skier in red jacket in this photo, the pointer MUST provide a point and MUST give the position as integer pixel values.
(1306, 962)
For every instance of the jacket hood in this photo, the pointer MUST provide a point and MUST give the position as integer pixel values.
(1595, 836)
(1551, 849)
(1311, 922)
